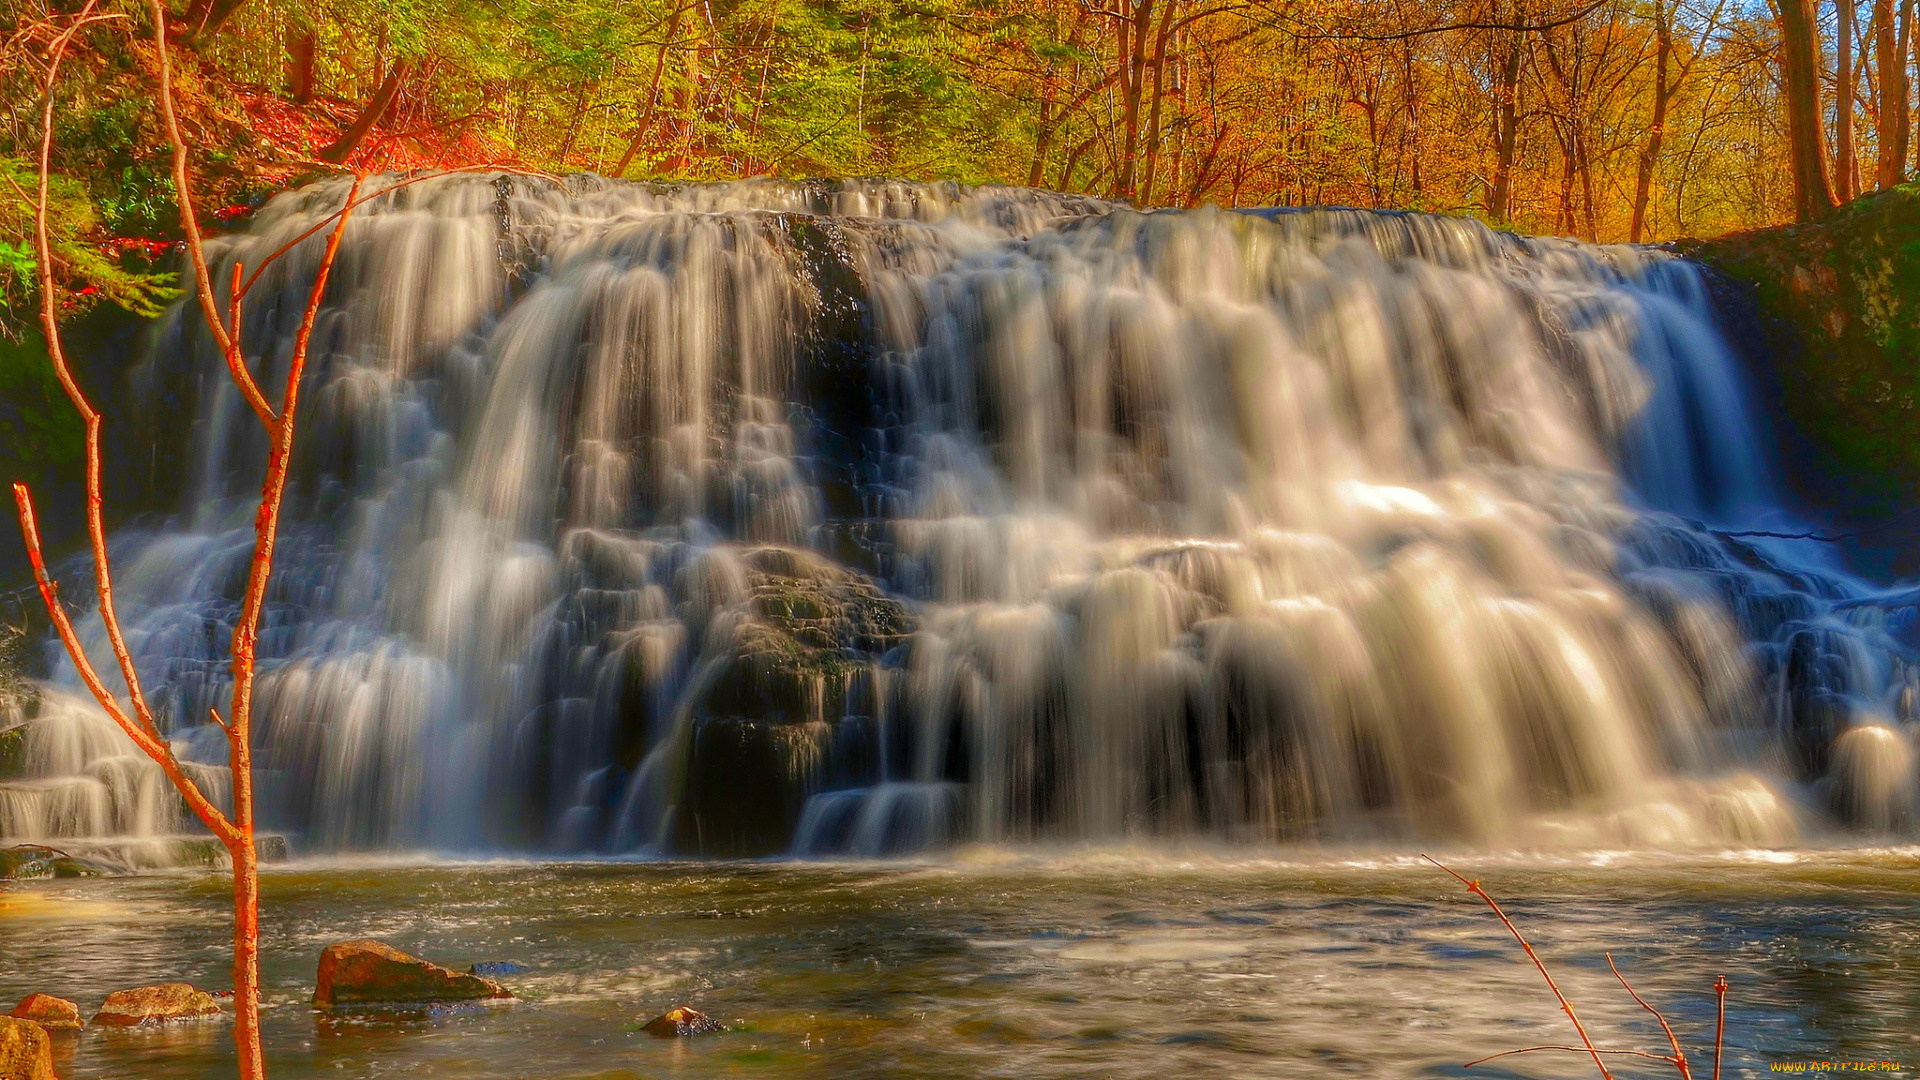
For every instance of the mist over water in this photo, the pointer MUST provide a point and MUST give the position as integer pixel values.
(862, 517)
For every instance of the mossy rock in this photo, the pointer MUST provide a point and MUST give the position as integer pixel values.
(809, 625)
(1848, 290)
(13, 753)
(30, 861)
(783, 665)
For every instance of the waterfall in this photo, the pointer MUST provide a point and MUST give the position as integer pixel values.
(862, 517)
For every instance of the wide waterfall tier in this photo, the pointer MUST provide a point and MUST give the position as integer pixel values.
(863, 517)
(71, 781)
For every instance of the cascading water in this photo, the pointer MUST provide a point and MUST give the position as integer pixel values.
(861, 517)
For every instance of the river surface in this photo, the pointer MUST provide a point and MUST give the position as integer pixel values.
(994, 963)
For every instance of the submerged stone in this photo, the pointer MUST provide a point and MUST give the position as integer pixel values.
(52, 1013)
(488, 969)
(36, 861)
(375, 974)
(157, 1004)
(681, 1022)
(26, 1053)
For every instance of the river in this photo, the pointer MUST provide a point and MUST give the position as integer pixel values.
(1019, 963)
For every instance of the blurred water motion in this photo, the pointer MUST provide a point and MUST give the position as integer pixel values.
(862, 517)
(1136, 964)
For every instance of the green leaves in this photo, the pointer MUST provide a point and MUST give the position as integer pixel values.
(85, 271)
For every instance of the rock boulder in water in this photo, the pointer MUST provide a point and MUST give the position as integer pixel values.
(158, 1004)
(52, 1013)
(36, 861)
(681, 1022)
(373, 973)
(488, 969)
(25, 1051)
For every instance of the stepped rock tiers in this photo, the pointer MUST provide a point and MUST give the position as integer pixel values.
(858, 517)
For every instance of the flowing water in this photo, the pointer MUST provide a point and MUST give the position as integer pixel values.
(1006, 963)
(866, 519)
(863, 517)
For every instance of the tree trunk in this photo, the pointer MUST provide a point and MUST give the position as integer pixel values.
(1506, 131)
(1806, 141)
(376, 107)
(651, 107)
(203, 19)
(1890, 60)
(300, 66)
(1133, 57)
(1043, 139)
(573, 126)
(1159, 95)
(1073, 162)
(1844, 85)
(1656, 131)
(1412, 92)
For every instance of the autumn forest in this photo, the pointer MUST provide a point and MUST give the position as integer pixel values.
(1604, 119)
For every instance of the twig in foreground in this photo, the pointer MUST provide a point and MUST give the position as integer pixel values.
(1565, 1005)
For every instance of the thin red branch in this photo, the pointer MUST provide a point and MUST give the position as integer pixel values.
(1565, 1005)
(190, 224)
(149, 743)
(1720, 1025)
(352, 203)
(1569, 1049)
(1679, 1058)
(233, 301)
(50, 324)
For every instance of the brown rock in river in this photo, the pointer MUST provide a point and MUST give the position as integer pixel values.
(374, 973)
(52, 1013)
(26, 1053)
(682, 1021)
(158, 1004)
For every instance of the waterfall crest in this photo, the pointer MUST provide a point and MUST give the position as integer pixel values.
(859, 517)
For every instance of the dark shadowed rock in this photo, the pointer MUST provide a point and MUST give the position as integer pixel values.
(809, 625)
(681, 1022)
(52, 1013)
(158, 1004)
(374, 974)
(784, 663)
(26, 1053)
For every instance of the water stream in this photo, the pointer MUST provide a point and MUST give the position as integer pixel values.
(1122, 963)
(864, 517)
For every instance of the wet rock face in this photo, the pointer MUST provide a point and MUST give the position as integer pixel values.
(25, 1051)
(158, 1004)
(36, 861)
(788, 661)
(373, 974)
(52, 1013)
(806, 627)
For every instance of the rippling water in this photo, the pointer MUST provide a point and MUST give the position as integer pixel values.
(1121, 963)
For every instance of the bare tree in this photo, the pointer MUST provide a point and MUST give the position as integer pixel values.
(234, 828)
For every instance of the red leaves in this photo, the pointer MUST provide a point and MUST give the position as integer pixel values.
(143, 246)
